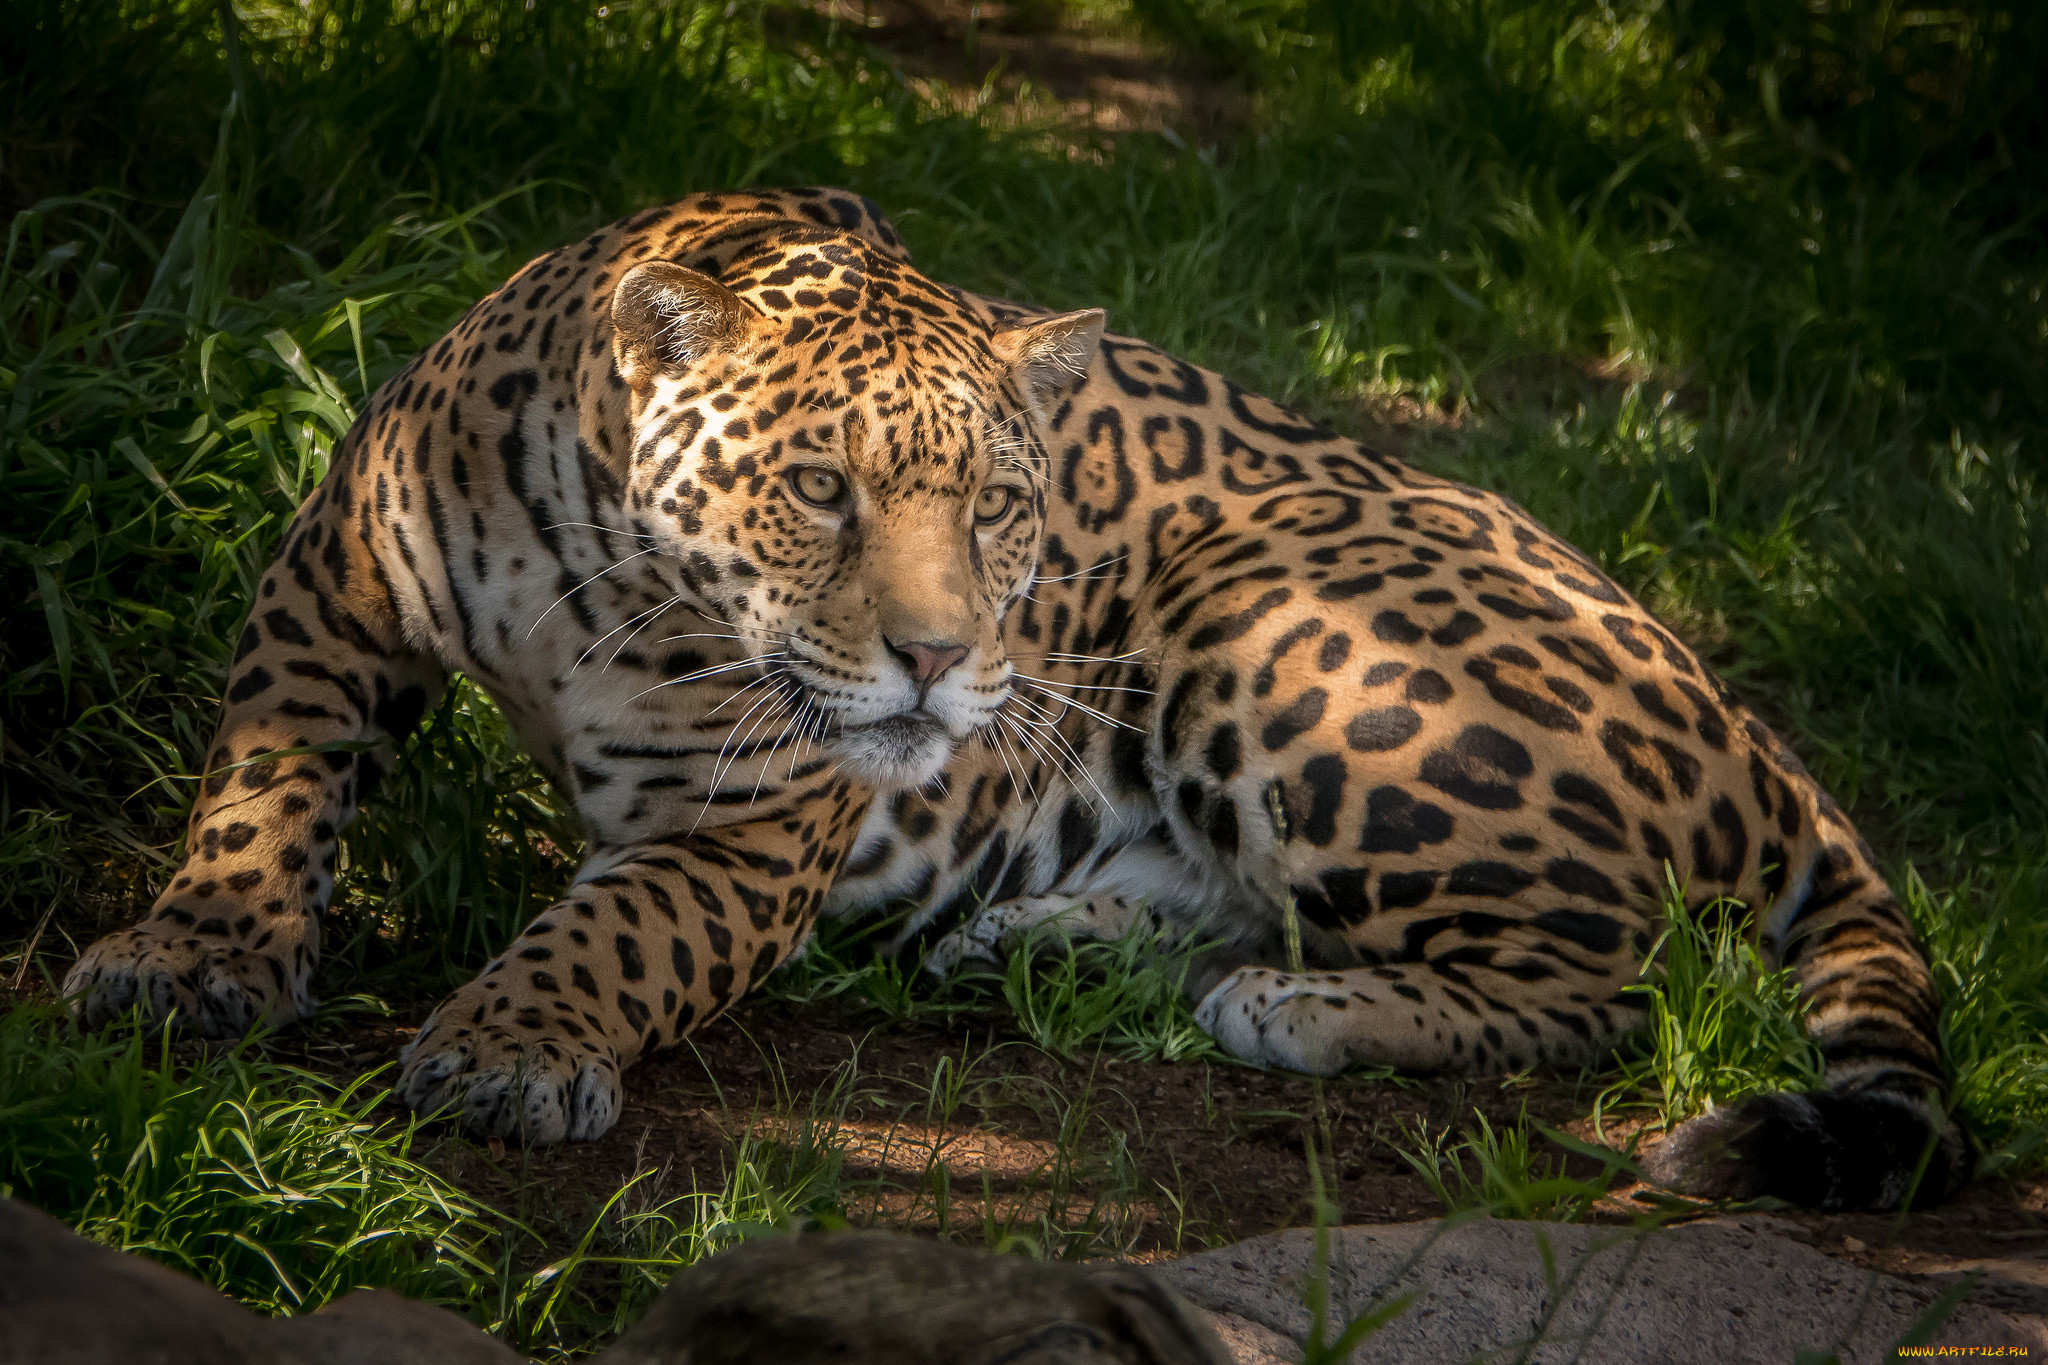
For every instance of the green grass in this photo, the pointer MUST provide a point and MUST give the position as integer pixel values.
(779, 1177)
(271, 1184)
(1128, 996)
(1506, 1174)
(1072, 998)
(1722, 1024)
(1748, 301)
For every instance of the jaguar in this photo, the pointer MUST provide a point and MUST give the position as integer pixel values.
(817, 586)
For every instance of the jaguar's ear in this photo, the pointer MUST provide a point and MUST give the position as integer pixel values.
(1045, 355)
(667, 318)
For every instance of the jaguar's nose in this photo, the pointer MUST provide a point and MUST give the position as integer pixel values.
(926, 660)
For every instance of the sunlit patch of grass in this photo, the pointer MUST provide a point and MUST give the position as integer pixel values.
(784, 1173)
(273, 1185)
(1721, 1022)
(1088, 1195)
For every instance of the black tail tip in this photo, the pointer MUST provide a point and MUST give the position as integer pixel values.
(1819, 1149)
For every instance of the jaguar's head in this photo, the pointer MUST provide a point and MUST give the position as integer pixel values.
(849, 467)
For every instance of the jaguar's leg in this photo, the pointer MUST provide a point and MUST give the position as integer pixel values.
(670, 934)
(323, 678)
(1145, 882)
(1421, 1016)
(995, 929)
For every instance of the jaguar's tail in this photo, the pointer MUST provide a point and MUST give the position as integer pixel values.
(1875, 1149)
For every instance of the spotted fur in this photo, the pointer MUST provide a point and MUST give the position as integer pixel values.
(818, 585)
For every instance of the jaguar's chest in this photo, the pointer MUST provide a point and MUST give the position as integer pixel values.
(638, 703)
(679, 732)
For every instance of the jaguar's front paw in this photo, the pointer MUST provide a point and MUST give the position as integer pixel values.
(212, 984)
(527, 1074)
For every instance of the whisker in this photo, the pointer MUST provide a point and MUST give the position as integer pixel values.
(1046, 717)
(718, 764)
(1080, 766)
(780, 698)
(1084, 708)
(593, 526)
(780, 637)
(1093, 571)
(629, 639)
(1065, 761)
(1043, 707)
(713, 635)
(1083, 686)
(749, 637)
(801, 724)
(1075, 766)
(1002, 751)
(616, 564)
(773, 675)
(651, 611)
(722, 764)
(1027, 743)
(1025, 766)
(701, 673)
(780, 740)
(1056, 656)
(814, 735)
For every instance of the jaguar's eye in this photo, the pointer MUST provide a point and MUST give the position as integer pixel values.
(994, 502)
(815, 484)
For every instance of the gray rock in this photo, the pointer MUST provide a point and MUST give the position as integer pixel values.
(378, 1327)
(872, 1298)
(1697, 1294)
(1707, 1293)
(857, 1298)
(65, 1300)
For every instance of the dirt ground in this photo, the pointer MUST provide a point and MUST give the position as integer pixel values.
(1100, 1156)
(1032, 58)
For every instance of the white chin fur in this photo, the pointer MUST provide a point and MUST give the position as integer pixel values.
(894, 754)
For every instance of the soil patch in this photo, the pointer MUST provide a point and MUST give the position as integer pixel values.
(1033, 58)
(969, 1132)
(1126, 1157)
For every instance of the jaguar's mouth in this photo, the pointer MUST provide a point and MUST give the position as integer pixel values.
(907, 749)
